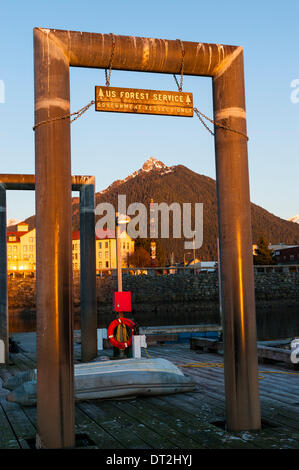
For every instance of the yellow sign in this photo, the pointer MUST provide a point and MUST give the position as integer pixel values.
(132, 100)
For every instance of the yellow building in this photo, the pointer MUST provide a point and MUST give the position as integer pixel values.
(21, 250)
(105, 250)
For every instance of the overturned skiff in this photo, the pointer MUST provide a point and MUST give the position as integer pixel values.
(109, 379)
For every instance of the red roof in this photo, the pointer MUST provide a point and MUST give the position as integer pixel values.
(76, 235)
(18, 235)
(100, 234)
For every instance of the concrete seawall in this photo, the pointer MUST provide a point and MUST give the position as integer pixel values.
(173, 300)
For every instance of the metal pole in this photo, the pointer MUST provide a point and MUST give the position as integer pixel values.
(236, 263)
(118, 255)
(88, 273)
(219, 283)
(55, 382)
(3, 275)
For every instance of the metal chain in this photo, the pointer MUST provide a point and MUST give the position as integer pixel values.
(199, 114)
(76, 113)
(217, 124)
(180, 86)
(202, 121)
(108, 76)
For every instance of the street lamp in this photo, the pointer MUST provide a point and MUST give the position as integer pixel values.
(121, 219)
(188, 253)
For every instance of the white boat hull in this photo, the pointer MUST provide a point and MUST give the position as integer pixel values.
(112, 379)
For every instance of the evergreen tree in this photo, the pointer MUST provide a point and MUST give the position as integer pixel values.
(263, 255)
(145, 243)
(140, 258)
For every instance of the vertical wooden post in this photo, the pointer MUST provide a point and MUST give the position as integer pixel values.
(55, 379)
(88, 273)
(3, 275)
(236, 261)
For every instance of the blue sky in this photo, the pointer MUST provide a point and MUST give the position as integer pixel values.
(111, 146)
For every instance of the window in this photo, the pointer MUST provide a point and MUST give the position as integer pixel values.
(100, 245)
(124, 246)
(30, 240)
(292, 257)
(100, 254)
(106, 245)
(9, 249)
(12, 239)
(107, 264)
(15, 249)
(106, 254)
(100, 264)
(9, 257)
(128, 246)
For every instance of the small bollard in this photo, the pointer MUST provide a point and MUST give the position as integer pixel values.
(139, 341)
(101, 335)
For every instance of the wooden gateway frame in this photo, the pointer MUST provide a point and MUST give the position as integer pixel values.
(55, 51)
(88, 305)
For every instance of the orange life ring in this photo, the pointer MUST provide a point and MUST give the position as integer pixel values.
(111, 328)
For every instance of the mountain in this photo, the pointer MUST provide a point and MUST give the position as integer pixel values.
(178, 183)
(294, 219)
(12, 222)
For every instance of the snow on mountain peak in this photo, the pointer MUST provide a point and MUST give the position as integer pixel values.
(294, 219)
(152, 163)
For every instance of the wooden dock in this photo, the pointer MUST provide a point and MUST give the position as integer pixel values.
(183, 421)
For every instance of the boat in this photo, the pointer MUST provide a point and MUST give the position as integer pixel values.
(109, 379)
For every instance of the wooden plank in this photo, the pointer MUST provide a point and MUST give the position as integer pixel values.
(275, 354)
(8, 438)
(19, 422)
(171, 329)
(165, 434)
(275, 437)
(206, 344)
(102, 439)
(161, 426)
(261, 439)
(191, 424)
(20, 363)
(150, 436)
(113, 424)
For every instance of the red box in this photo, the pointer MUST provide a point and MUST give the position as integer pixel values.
(122, 301)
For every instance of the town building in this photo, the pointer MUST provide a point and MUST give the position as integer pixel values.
(289, 255)
(106, 249)
(21, 249)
